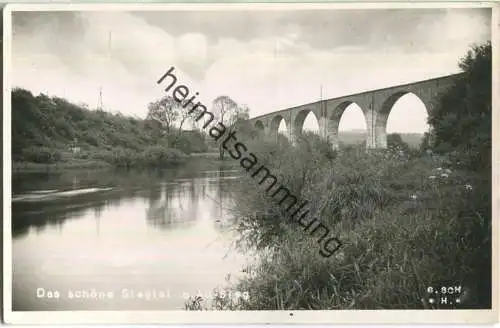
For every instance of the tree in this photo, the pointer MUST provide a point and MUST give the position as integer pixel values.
(243, 113)
(227, 112)
(245, 129)
(224, 108)
(183, 117)
(462, 116)
(165, 111)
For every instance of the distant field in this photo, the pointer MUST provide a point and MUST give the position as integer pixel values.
(357, 137)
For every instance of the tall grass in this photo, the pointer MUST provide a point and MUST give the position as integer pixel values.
(407, 223)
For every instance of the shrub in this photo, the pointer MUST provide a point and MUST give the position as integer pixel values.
(159, 156)
(123, 157)
(189, 143)
(394, 140)
(42, 155)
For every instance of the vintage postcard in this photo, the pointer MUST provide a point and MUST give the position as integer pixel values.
(250, 163)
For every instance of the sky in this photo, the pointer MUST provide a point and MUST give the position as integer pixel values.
(267, 60)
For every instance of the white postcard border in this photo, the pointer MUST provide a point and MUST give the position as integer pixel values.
(244, 317)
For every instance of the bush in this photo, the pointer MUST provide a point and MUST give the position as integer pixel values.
(122, 157)
(100, 155)
(43, 155)
(158, 156)
(189, 142)
(394, 140)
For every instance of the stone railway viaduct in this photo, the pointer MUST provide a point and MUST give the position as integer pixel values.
(376, 106)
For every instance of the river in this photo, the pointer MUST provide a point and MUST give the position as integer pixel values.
(122, 240)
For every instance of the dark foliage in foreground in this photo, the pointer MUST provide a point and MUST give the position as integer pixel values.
(462, 118)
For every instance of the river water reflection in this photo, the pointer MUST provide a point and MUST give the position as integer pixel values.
(145, 240)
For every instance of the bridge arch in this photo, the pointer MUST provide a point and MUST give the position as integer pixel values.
(386, 109)
(300, 118)
(275, 124)
(333, 121)
(260, 127)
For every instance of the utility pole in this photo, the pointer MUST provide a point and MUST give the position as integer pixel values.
(321, 105)
(323, 113)
(99, 102)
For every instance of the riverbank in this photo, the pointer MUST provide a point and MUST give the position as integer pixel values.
(71, 165)
(397, 216)
(207, 160)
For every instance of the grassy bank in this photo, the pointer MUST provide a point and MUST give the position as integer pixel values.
(201, 161)
(406, 223)
(51, 132)
(72, 165)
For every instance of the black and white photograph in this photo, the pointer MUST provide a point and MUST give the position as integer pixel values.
(228, 158)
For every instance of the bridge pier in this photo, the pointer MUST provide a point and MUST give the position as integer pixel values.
(293, 135)
(371, 130)
(332, 133)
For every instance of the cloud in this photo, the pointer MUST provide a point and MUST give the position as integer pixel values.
(268, 60)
